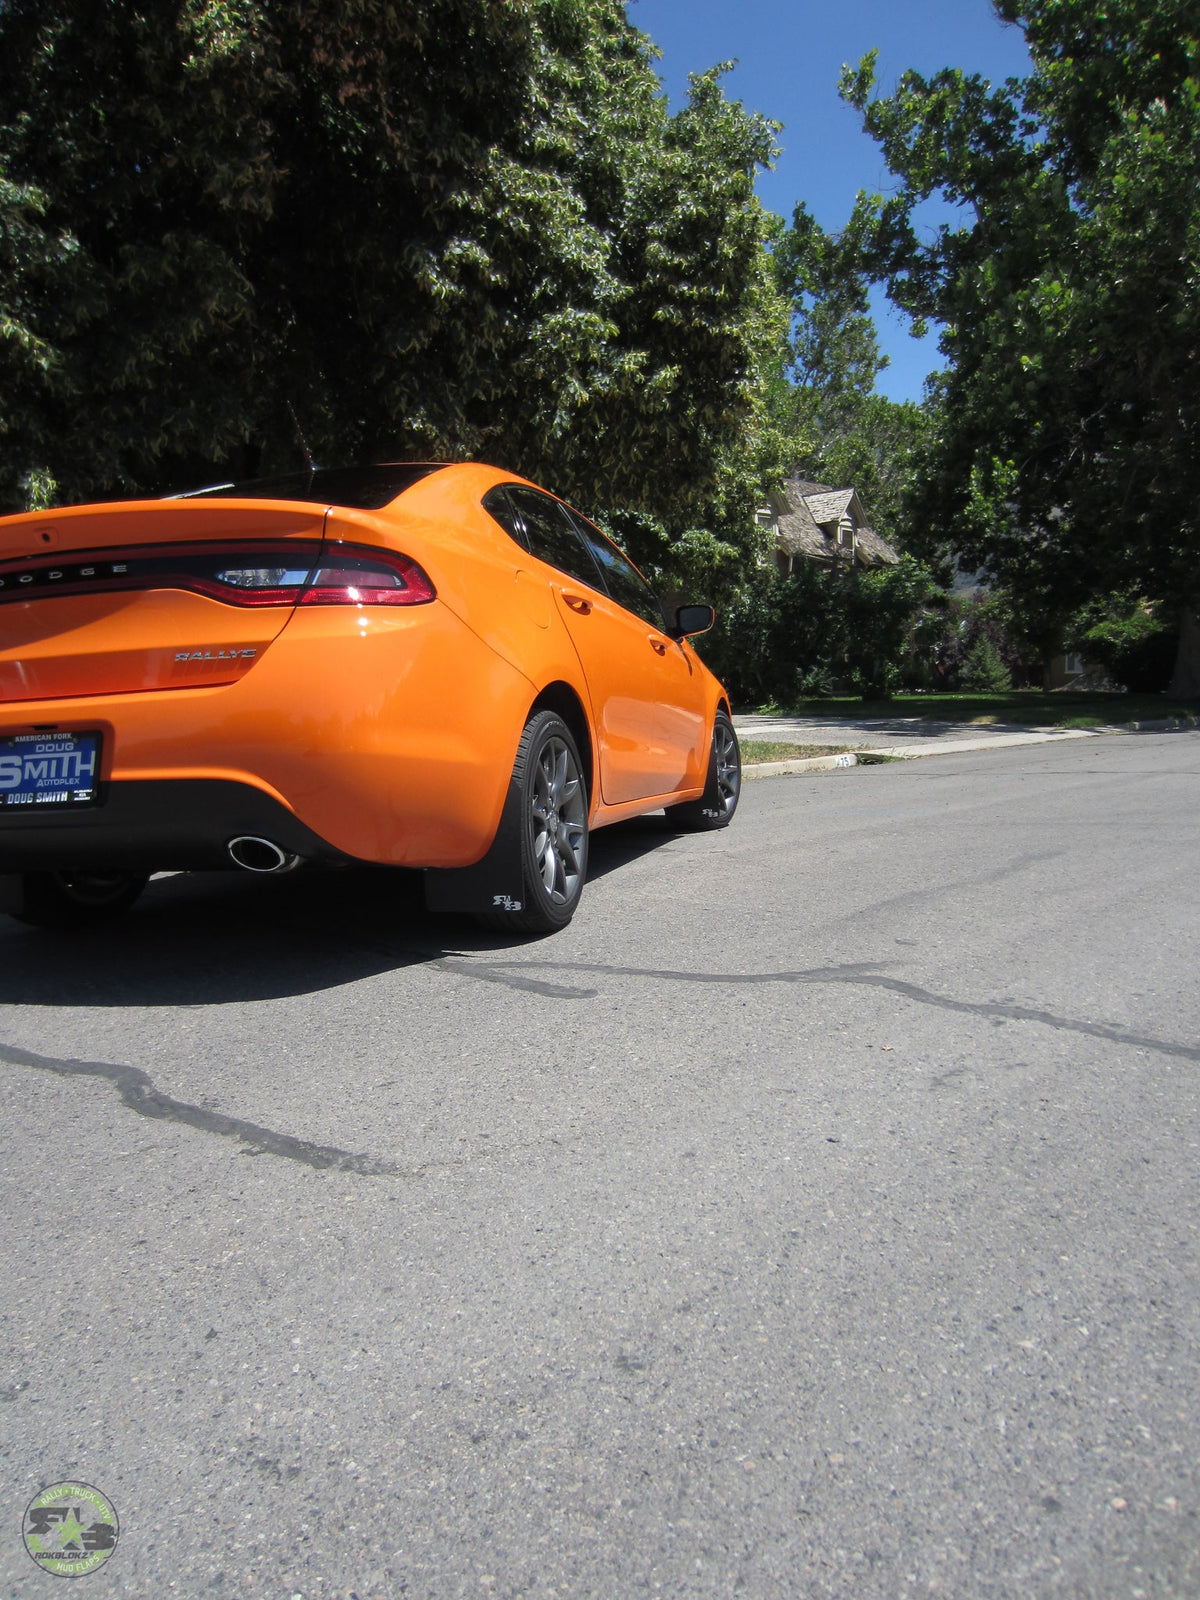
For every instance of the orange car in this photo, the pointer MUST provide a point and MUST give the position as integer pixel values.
(420, 665)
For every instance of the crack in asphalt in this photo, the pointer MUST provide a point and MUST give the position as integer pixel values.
(948, 888)
(866, 974)
(487, 974)
(138, 1093)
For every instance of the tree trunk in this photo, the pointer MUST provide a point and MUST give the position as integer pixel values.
(1185, 685)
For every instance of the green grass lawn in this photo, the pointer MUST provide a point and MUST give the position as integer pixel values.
(780, 750)
(1029, 707)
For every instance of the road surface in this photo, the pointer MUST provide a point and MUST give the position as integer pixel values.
(816, 1216)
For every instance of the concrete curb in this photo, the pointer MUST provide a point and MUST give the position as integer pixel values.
(995, 741)
(1159, 725)
(775, 769)
(862, 756)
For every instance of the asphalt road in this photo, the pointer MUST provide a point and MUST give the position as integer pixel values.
(816, 1216)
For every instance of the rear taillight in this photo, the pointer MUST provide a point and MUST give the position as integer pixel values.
(247, 583)
(296, 573)
(354, 578)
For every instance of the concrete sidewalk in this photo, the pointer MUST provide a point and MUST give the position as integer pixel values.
(905, 738)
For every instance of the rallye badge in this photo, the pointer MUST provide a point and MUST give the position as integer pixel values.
(215, 655)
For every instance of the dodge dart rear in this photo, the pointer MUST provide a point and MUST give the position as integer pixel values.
(415, 665)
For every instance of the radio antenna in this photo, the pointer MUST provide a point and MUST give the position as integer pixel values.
(308, 460)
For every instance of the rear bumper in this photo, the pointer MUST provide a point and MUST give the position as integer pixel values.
(379, 738)
(172, 824)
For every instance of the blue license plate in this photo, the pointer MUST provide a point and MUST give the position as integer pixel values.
(49, 769)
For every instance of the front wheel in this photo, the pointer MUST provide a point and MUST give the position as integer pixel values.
(717, 804)
(553, 828)
(76, 899)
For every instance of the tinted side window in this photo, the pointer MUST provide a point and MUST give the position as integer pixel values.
(552, 536)
(497, 504)
(625, 583)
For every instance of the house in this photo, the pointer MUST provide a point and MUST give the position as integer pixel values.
(812, 522)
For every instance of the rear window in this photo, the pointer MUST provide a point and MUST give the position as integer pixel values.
(361, 488)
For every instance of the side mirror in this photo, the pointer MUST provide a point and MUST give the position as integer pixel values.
(693, 619)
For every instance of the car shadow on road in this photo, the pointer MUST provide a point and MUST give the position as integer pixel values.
(625, 842)
(227, 937)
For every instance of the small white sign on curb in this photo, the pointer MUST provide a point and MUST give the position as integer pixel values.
(845, 760)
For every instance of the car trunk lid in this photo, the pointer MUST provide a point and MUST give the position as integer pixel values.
(147, 595)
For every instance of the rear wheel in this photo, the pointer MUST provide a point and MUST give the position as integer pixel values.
(77, 899)
(553, 828)
(716, 806)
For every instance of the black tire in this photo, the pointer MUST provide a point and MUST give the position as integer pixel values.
(717, 804)
(77, 899)
(553, 828)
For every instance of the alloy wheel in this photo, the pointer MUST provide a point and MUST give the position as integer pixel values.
(558, 821)
(728, 765)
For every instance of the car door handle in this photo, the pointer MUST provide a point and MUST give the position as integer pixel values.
(578, 603)
(657, 644)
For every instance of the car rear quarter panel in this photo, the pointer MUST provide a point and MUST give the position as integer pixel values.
(505, 596)
(491, 584)
(400, 735)
(495, 588)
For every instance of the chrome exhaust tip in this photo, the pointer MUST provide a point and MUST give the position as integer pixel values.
(253, 854)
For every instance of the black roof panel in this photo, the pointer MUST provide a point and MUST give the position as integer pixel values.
(363, 488)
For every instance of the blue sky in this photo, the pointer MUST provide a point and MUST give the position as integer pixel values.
(789, 54)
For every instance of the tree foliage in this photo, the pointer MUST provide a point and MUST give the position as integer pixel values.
(983, 670)
(790, 638)
(236, 231)
(834, 355)
(1125, 636)
(838, 429)
(1063, 455)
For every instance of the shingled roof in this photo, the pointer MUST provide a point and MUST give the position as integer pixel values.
(809, 516)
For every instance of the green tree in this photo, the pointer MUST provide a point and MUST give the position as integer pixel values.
(30, 262)
(840, 430)
(878, 452)
(233, 231)
(983, 669)
(1064, 454)
(789, 638)
(834, 355)
(1126, 636)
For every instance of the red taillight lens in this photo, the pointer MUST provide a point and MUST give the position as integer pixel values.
(377, 579)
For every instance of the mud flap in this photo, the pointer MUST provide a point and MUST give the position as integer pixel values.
(493, 884)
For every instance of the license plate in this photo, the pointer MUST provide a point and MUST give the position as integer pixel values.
(49, 769)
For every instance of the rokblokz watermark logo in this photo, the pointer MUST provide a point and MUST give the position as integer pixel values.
(70, 1529)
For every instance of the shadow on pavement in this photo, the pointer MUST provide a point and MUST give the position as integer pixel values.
(878, 730)
(875, 728)
(226, 937)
